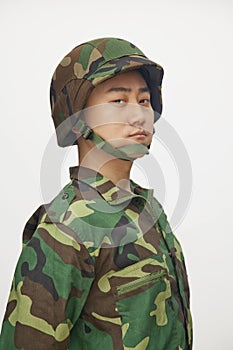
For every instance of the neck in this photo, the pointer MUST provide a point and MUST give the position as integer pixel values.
(116, 170)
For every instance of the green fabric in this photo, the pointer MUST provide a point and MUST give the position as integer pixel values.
(99, 270)
(124, 152)
(88, 65)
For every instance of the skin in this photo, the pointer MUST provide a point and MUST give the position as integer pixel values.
(118, 110)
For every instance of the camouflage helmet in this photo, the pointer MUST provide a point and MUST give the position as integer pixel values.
(88, 65)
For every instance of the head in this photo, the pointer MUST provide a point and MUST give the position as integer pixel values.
(119, 110)
(85, 76)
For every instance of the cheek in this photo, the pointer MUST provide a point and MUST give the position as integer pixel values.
(109, 132)
(150, 122)
(102, 115)
(95, 119)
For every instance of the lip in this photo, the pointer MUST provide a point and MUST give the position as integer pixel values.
(139, 133)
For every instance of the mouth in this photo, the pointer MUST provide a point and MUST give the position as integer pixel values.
(139, 134)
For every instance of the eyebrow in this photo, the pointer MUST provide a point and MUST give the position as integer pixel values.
(124, 89)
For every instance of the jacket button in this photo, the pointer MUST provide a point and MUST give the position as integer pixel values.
(65, 196)
(116, 309)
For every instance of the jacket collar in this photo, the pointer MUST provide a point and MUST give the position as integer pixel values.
(106, 188)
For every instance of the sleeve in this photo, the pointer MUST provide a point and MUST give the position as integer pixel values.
(52, 280)
(179, 265)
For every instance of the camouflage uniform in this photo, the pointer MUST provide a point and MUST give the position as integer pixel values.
(100, 269)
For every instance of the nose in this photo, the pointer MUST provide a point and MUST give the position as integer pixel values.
(136, 114)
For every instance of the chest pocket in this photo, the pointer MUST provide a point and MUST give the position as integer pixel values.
(145, 281)
(143, 299)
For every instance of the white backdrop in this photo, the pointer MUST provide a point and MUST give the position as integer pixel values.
(192, 40)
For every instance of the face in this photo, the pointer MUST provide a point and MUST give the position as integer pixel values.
(119, 110)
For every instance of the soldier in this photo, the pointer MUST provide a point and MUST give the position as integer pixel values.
(100, 266)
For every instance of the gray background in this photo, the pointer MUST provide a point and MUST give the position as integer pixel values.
(192, 40)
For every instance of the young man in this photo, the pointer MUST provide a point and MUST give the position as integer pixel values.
(100, 267)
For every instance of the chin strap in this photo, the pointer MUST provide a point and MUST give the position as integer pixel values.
(124, 152)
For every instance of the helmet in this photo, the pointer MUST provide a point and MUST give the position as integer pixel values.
(88, 65)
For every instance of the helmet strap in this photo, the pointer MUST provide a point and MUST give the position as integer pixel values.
(124, 152)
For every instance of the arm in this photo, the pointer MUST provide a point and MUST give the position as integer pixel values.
(51, 283)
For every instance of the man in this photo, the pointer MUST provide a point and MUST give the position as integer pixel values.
(100, 267)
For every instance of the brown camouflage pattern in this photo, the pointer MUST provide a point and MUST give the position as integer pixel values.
(100, 269)
(86, 66)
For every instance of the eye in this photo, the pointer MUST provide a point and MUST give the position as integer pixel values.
(119, 101)
(145, 101)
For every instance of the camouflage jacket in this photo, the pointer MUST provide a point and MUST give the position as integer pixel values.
(100, 269)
